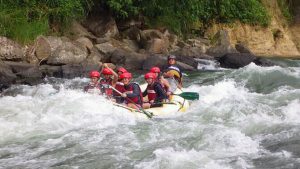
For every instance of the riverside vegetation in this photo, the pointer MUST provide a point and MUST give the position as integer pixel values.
(24, 20)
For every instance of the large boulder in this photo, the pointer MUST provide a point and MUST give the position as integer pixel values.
(51, 71)
(242, 48)
(10, 50)
(68, 53)
(130, 60)
(236, 60)
(85, 42)
(95, 56)
(221, 44)
(157, 46)
(193, 52)
(102, 26)
(26, 73)
(7, 77)
(76, 30)
(45, 46)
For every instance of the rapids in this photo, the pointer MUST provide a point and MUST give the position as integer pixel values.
(245, 118)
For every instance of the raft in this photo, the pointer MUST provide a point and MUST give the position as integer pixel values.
(176, 104)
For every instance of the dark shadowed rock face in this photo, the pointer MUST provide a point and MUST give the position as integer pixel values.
(236, 60)
(6, 75)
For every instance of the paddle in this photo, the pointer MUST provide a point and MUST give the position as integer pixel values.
(148, 114)
(189, 95)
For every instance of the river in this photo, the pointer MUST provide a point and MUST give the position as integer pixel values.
(245, 118)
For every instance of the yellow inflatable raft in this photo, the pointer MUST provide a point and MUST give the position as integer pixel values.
(176, 104)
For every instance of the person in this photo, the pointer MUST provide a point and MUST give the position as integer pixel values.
(94, 85)
(110, 79)
(165, 84)
(154, 91)
(119, 86)
(171, 70)
(132, 94)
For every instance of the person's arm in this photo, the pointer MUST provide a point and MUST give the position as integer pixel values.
(115, 75)
(160, 93)
(145, 93)
(135, 92)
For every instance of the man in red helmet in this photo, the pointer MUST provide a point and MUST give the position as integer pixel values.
(154, 91)
(165, 84)
(132, 94)
(110, 79)
(94, 85)
(119, 86)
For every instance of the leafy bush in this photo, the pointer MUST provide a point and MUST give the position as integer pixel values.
(286, 12)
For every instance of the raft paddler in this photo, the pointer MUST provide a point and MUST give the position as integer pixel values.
(154, 91)
(94, 86)
(132, 94)
(110, 79)
(119, 86)
(165, 84)
(171, 70)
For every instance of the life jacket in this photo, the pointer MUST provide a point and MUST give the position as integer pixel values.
(105, 89)
(137, 99)
(93, 88)
(120, 87)
(151, 92)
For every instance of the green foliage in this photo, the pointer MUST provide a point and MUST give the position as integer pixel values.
(284, 7)
(23, 20)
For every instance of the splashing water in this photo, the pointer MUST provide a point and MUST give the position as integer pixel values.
(245, 118)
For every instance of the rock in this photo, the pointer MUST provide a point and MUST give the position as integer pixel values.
(31, 76)
(173, 40)
(85, 42)
(130, 45)
(78, 70)
(154, 60)
(76, 30)
(68, 53)
(45, 46)
(236, 60)
(105, 48)
(30, 56)
(95, 56)
(128, 59)
(157, 46)
(26, 73)
(101, 40)
(221, 44)
(193, 52)
(198, 44)
(10, 50)
(133, 33)
(263, 62)
(242, 48)
(51, 71)
(187, 60)
(7, 77)
(102, 26)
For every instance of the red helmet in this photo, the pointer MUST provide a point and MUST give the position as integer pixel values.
(106, 71)
(155, 70)
(94, 73)
(126, 75)
(150, 75)
(123, 70)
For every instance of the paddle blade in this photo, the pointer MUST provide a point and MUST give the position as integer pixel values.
(189, 95)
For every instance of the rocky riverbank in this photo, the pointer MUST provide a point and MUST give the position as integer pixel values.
(100, 39)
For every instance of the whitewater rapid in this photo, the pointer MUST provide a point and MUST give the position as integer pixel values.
(245, 118)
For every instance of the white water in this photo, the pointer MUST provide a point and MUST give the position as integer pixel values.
(239, 122)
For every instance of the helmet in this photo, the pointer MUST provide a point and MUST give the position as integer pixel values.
(121, 69)
(155, 70)
(171, 57)
(106, 71)
(94, 73)
(150, 75)
(126, 75)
